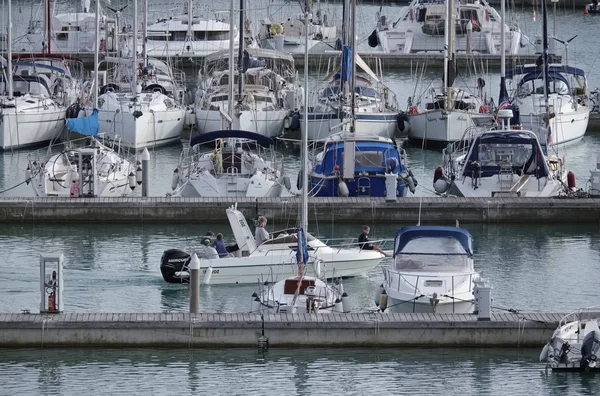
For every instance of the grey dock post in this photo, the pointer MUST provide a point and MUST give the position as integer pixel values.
(483, 299)
(145, 171)
(194, 268)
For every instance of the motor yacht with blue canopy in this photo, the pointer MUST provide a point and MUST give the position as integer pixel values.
(352, 164)
(432, 271)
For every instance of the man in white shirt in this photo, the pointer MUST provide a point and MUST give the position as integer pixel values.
(208, 251)
(261, 234)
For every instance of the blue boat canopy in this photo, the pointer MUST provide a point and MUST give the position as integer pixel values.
(227, 133)
(85, 125)
(40, 66)
(407, 234)
(552, 69)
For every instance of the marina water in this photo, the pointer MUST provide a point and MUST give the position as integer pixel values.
(115, 268)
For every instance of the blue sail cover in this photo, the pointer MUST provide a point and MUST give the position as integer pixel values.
(85, 125)
(407, 234)
(302, 251)
(347, 63)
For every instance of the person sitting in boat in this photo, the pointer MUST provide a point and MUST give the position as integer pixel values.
(208, 251)
(363, 242)
(220, 246)
(261, 234)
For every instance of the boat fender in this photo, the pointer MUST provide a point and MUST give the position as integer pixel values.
(300, 180)
(317, 267)
(412, 186)
(256, 305)
(138, 173)
(346, 302)
(27, 175)
(378, 294)
(207, 275)
(571, 180)
(373, 39)
(383, 301)
(413, 110)
(132, 181)
(295, 122)
(287, 183)
(440, 183)
(343, 190)
(401, 119)
(339, 307)
(276, 29)
(545, 355)
(175, 179)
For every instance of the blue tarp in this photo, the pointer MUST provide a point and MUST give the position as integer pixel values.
(85, 125)
(347, 64)
(406, 234)
(302, 249)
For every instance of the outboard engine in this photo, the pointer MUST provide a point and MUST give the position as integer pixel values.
(558, 350)
(589, 348)
(173, 266)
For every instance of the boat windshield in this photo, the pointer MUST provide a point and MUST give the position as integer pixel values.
(434, 255)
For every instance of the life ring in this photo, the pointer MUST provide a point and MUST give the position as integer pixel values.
(484, 109)
(413, 110)
(276, 29)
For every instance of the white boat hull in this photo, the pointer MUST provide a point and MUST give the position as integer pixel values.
(168, 49)
(321, 126)
(439, 126)
(266, 123)
(231, 186)
(30, 127)
(408, 305)
(567, 128)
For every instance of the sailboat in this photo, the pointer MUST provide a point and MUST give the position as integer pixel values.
(550, 92)
(444, 112)
(278, 255)
(28, 113)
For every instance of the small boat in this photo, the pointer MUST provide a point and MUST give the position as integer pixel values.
(432, 271)
(300, 293)
(502, 162)
(277, 256)
(575, 343)
(230, 164)
(592, 8)
(86, 167)
(376, 168)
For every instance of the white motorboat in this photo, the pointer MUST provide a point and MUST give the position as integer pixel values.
(275, 258)
(421, 26)
(263, 96)
(502, 162)
(287, 34)
(230, 163)
(70, 32)
(575, 343)
(432, 271)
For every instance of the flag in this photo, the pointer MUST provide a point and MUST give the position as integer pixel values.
(533, 15)
(302, 251)
(475, 23)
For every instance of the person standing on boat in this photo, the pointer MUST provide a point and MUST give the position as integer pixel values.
(220, 246)
(261, 234)
(363, 241)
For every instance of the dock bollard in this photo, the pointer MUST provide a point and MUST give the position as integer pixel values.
(145, 171)
(483, 299)
(194, 268)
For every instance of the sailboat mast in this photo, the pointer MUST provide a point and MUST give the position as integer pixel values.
(545, 58)
(353, 77)
(190, 10)
(9, 45)
(241, 50)
(96, 54)
(447, 51)
(48, 28)
(134, 55)
(304, 148)
(503, 43)
(145, 34)
(231, 68)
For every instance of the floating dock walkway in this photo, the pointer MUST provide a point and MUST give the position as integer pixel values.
(282, 330)
(137, 210)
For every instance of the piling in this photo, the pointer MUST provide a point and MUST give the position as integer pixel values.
(194, 268)
(145, 172)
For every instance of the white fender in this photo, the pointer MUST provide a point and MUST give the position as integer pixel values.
(411, 184)
(545, 353)
(207, 275)
(346, 302)
(343, 190)
(256, 305)
(175, 179)
(383, 301)
(339, 306)
(378, 294)
(441, 185)
(317, 267)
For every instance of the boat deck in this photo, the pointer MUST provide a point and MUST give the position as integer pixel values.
(243, 329)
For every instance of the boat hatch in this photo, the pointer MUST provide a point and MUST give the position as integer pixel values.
(434, 283)
(291, 285)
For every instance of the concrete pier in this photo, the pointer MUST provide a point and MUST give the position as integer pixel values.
(341, 210)
(243, 330)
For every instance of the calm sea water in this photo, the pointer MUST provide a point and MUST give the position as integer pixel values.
(116, 269)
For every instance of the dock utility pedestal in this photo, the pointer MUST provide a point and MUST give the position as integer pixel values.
(51, 283)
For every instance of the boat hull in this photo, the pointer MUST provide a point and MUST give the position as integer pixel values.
(439, 126)
(266, 123)
(30, 128)
(410, 306)
(322, 125)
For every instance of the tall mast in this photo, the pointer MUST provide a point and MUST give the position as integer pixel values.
(190, 20)
(97, 54)
(9, 45)
(304, 149)
(135, 66)
(145, 34)
(503, 93)
(231, 61)
(48, 27)
(449, 52)
(353, 77)
(241, 50)
(545, 58)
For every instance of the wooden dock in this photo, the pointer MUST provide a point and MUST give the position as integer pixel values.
(184, 330)
(408, 210)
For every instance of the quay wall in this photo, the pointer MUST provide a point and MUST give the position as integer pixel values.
(344, 210)
(282, 330)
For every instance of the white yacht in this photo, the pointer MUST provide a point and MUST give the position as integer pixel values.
(276, 258)
(71, 33)
(264, 93)
(502, 162)
(432, 271)
(420, 28)
(230, 163)
(575, 343)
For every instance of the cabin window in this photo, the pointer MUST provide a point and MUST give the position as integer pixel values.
(178, 36)
(199, 35)
(368, 159)
(215, 36)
